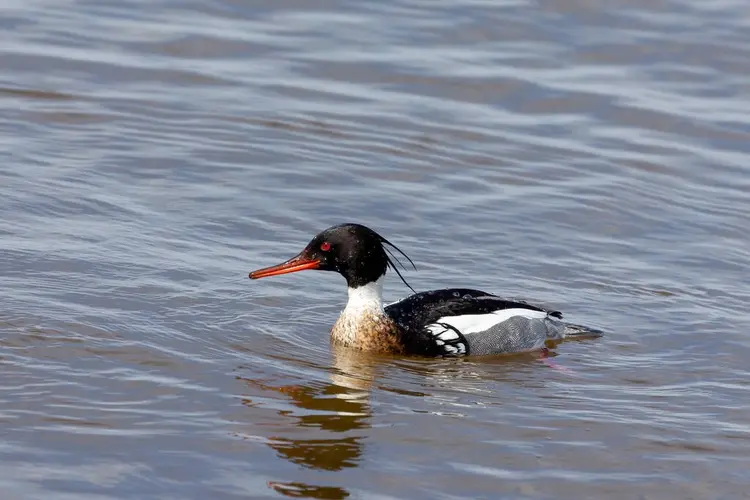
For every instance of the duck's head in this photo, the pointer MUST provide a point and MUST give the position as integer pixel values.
(354, 251)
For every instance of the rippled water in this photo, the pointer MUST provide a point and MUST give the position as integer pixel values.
(592, 156)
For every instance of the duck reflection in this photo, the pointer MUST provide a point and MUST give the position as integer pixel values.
(325, 425)
(302, 490)
(340, 408)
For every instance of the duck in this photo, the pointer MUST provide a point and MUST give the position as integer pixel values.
(448, 322)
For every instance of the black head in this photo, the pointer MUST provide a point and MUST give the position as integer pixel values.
(355, 251)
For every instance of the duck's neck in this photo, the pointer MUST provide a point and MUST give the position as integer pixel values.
(367, 298)
(363, 321)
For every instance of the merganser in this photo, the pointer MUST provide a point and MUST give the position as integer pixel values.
(448, 322)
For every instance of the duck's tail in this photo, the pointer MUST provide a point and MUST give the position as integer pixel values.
(581, 332)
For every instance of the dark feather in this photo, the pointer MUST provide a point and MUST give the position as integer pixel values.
(392, 265)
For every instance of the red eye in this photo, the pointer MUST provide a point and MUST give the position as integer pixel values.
(325, 246)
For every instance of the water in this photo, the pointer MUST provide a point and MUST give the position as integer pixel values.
(589, 156)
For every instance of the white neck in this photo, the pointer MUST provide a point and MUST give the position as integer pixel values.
(366, 298)
(363, 311)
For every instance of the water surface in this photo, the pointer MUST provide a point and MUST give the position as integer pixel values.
(590, 156)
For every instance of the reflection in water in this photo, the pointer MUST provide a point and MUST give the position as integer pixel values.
(301, 490)
(326, 425)
(335, 414)
(338, 408)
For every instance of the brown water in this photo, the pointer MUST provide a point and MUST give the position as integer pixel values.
(593, 156)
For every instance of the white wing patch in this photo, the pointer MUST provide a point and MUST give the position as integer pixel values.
(473, 323)
(449, 332)
(447, 338)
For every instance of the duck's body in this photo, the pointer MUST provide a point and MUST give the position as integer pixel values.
(449, 322)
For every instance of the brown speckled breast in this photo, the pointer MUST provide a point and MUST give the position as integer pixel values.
(369, 332)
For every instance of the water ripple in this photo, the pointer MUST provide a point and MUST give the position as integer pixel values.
(591, 157)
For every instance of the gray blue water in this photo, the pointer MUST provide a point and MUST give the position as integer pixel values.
(591, 156)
